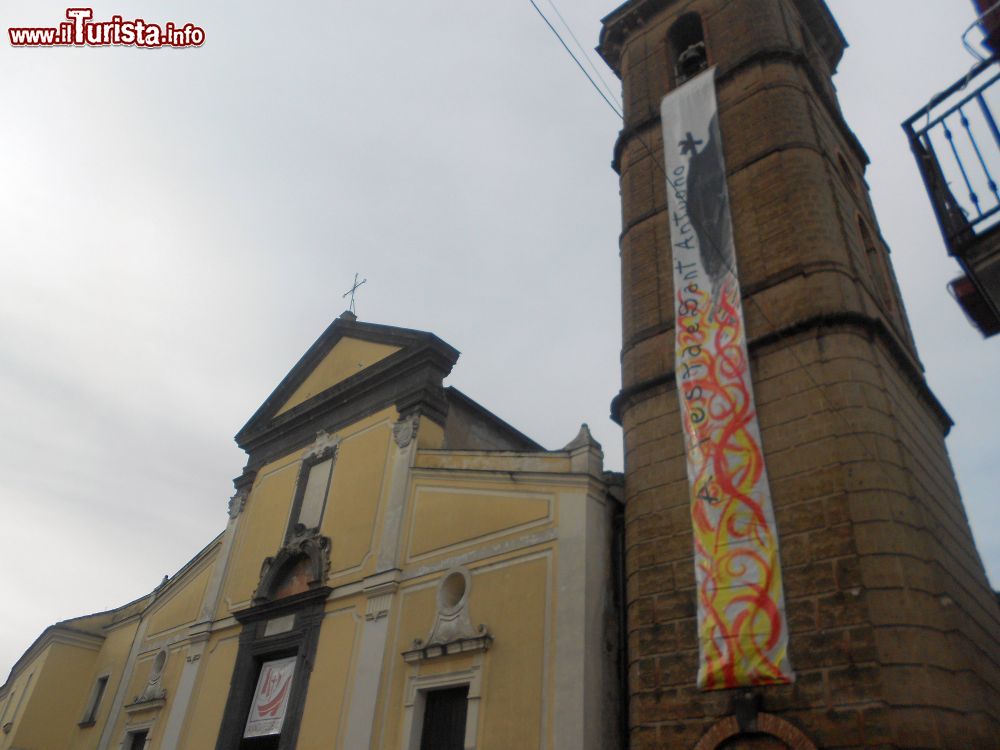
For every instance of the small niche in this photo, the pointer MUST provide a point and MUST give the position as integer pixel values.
(294, 579)
(846, 170)
(452, 591)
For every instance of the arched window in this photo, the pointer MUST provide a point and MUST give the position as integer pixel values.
(877, 266)
(845, 169)
(687, 47)
(294, 578)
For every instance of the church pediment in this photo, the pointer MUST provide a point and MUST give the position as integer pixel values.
(352, 370)
(348, 357)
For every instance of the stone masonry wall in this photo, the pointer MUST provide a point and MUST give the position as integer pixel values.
(893, 626)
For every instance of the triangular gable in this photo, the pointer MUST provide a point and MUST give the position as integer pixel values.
(353, 368)
(349, 356)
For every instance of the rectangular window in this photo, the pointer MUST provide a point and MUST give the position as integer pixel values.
(311, 492)
(17, 708)
(6, 706)
(444, 719)
(90, 715)
(314, 497)
(136, 740)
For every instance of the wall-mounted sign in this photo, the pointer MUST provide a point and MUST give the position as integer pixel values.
(270, 700)
(742, 633)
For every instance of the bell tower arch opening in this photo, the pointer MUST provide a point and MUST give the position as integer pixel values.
(688, 53)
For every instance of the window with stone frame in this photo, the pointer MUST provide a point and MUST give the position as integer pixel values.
(445, 714)
(878, 267)
(94, 701)
(6, 708)
(136, 740)
(311, 492)
(279, 638)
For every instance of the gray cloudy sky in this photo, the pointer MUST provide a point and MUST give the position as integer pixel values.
(177, 227)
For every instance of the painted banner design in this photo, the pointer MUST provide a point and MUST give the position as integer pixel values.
(270, 701)
(742, 632)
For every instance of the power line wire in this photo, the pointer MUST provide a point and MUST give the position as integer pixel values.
(583, 52)
(578, 63)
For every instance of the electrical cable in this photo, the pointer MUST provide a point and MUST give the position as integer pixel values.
(578, 63)
(583, 52)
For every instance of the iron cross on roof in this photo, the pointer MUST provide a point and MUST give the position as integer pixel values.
(351, 292)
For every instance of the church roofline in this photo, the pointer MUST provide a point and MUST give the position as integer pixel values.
(518, 436)
(171, 582)
(75, 629)
(58, 633)
(65, 631)
(409, 379)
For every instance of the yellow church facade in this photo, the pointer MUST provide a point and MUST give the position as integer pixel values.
(400, 569)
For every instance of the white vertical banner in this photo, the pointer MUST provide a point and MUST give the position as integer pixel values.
(270, 700)
(742, 632)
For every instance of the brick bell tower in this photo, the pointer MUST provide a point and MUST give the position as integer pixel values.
(892, 626)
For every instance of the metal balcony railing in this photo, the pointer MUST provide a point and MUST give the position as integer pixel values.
(957, 147)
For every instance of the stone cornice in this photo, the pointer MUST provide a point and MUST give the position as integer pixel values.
(409, 379)
(785, 54)
(54, 634)
(629, 16)
(874, 327)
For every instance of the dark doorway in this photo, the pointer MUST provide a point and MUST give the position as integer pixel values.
(753, 742)
(270, 742)
(444, 719)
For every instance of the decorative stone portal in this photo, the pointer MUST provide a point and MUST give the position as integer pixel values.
(300, 565)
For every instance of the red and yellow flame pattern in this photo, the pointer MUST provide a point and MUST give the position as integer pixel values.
(742, 632)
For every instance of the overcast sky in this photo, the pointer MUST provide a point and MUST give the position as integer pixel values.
(178, 226)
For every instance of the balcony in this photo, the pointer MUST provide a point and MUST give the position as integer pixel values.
(956, 143)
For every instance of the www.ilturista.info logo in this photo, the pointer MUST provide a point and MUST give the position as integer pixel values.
(81, 31)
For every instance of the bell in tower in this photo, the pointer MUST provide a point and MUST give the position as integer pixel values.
(801, 573)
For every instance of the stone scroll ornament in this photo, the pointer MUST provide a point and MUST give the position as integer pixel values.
(742, 631)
